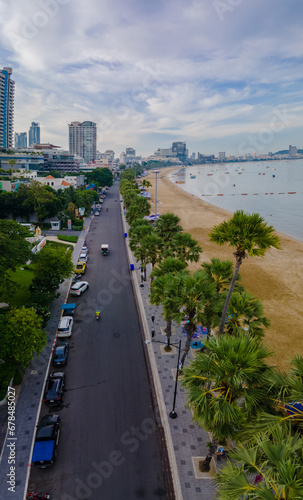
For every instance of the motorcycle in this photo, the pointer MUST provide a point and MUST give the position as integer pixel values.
(98, 315)
(37, 496)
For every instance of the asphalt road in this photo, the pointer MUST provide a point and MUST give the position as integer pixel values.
(109, 446)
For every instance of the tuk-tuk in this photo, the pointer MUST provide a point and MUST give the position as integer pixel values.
(68, 309)
(104, 249)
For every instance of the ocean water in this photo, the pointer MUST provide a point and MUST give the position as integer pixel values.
(273, 189)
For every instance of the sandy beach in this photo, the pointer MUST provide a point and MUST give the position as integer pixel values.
(275, 279)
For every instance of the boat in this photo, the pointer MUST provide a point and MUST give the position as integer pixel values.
(192, 176)
(180, 182)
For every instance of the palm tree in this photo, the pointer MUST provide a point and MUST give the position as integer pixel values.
(159, 277)
(246, 313)
(276, 462)
(225, 386)
(182, 246)
(187, 295)
(250, 236)
(167, 225)
(220, 273)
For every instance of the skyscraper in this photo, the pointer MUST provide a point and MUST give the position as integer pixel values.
(21, 140)
(83, 139)
(7, 96)
(179, 150)
(34, 134)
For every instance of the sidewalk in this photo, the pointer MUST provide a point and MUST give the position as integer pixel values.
(189, 441)
(29, 401)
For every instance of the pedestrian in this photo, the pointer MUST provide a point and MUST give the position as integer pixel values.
(153, 318)
(153, 333)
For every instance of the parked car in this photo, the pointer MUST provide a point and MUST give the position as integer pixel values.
(79, 287)
(65, 326)
(46, 441)
(61, 354)
(80, 267)
(53, 393)
(84, 249)
(83, 256)
(97, 212)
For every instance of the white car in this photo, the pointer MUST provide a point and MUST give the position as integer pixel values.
(83, 256)
(84, 250)
(97, 213)
(79, 287)
(65, 326)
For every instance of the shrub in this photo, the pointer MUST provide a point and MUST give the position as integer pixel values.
(71, 239)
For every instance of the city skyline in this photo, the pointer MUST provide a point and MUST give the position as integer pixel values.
(220, 76)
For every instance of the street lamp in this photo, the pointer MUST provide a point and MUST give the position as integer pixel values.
(156, 172)
(173, 413)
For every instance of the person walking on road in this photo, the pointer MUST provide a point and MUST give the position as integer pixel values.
(153, 319)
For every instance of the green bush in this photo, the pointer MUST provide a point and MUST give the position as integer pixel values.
(71, 239)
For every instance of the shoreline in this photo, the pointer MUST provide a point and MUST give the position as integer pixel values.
(274, 279)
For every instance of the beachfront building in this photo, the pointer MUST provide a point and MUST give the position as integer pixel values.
(7, 98)
(222, 156)
(292, 151)
(180, 151)
(34, 134)
(83, 140)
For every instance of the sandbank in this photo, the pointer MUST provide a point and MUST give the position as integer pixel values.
(275, 279)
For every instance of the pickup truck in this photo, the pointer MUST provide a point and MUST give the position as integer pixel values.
(46, 442)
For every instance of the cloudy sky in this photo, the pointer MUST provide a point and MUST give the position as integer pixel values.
(221, 75)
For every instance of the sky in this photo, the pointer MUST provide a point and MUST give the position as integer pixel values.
(220, 75)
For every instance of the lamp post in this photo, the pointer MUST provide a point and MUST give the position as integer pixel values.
(173, 413)
(156, 172)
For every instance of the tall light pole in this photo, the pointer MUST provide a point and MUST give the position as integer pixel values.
(173, 413)
(156, 172)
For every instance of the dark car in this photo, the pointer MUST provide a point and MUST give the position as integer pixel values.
(53, 393)
(46, 442)
(61, 354)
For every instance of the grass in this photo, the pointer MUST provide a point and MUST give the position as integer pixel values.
(56, 244)
(71, 239)
(22, 277)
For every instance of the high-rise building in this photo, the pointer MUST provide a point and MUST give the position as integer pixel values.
(83, 140)
(222, 155)
(130, 152)
(34, 134)
(179, 150)
(21, 140)
(292, 151)
(7, 97)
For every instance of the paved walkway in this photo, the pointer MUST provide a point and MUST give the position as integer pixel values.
(189, 441)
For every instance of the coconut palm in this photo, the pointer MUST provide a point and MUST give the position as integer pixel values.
(276, 462)
(246, 313)
(225, 386)
(159, 277)
(251, 236)
(187, 295)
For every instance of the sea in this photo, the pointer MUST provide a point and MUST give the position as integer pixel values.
(273, 189)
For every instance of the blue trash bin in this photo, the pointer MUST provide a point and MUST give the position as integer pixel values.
(125, 234)
(132, 267)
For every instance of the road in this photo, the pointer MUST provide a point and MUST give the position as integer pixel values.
(109, 446)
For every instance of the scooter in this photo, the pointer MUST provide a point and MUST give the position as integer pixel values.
(98, 315)
(37, 496)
